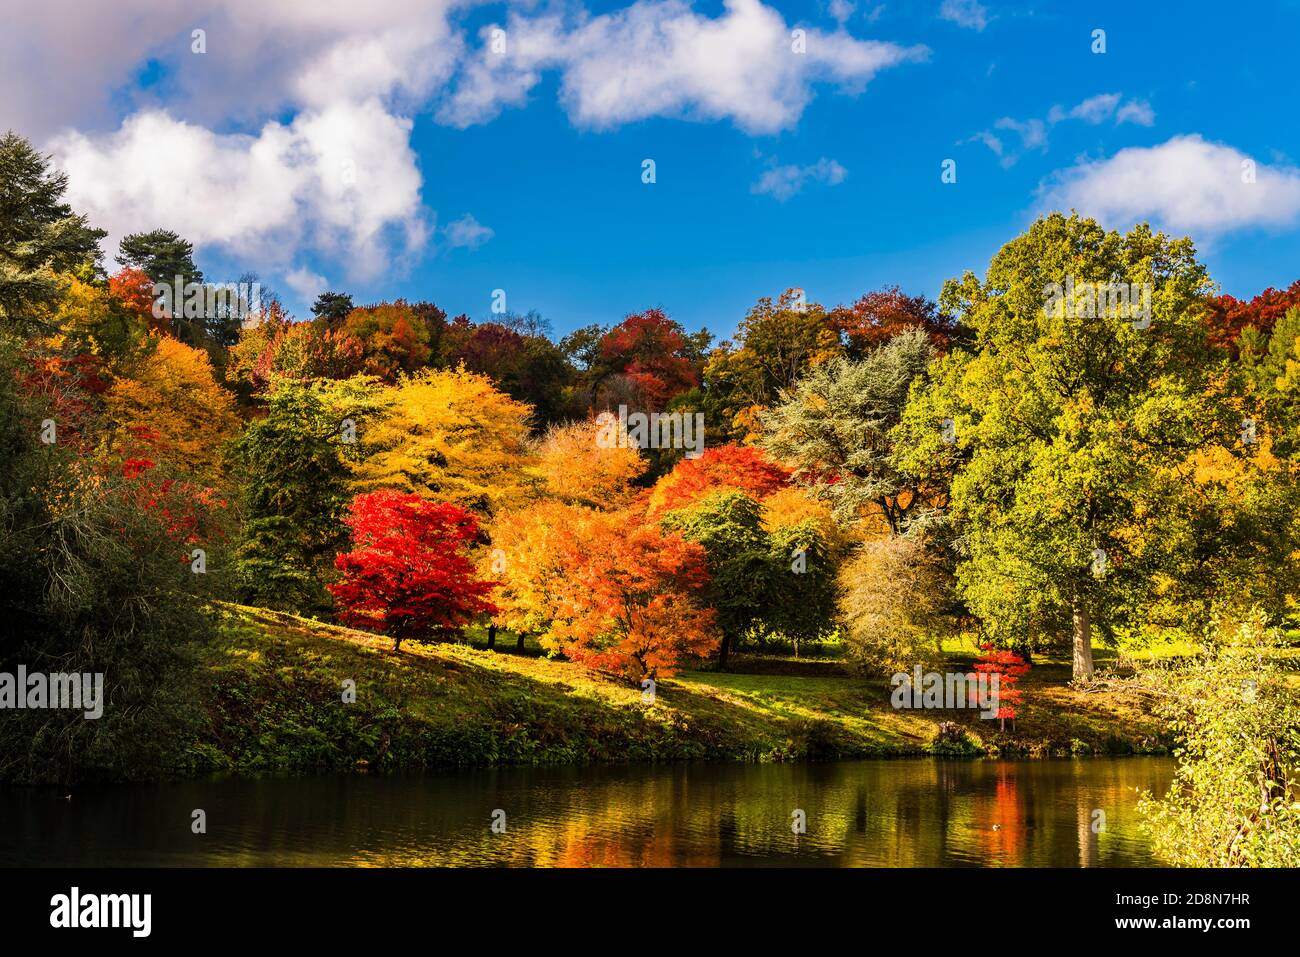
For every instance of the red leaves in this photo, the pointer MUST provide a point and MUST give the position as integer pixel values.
(1227, 317)
(648, 348)
(740, 467)
(408, 575)
(1009, 667)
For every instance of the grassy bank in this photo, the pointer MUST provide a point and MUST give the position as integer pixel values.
(274, 687)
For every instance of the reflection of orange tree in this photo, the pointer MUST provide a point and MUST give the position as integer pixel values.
(1009, 667)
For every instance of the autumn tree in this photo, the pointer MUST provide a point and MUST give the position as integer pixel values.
(776, 344)
(393, 337)
(408, 574)
(532, 549)
(1228, 318)
(630, 599)
(450, 435)
(895, 605)
(739, 467)
(877, 317)
(575, 468)
(652, 352)
(170, 404)
(515, 353)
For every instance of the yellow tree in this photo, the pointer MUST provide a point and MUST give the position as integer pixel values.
(450, 435)
(575, 468)
(168, 407)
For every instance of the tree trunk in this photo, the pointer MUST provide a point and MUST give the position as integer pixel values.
(492, 636)
(519, 645)
(722, 652)
(1082, 638)
(397, 645)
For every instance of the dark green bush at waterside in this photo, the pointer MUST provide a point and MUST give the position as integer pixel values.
(90, 583)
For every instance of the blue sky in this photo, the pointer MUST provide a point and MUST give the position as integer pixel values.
(833, 186)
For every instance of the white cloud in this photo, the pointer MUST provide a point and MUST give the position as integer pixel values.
(965, 13)
(341, 181)
(241, 147)
(307, 284)
(783, 182)
(467, 232)
(659, 58)
(1136, 111)
(1094, 111)
(1187, 185)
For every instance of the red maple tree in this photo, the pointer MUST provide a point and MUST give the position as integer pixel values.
(649, 349)
(1009, 667)
(408, 575)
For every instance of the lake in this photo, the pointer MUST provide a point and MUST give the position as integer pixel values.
(883, 813)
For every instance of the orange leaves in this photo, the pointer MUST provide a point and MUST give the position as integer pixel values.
(173, 397)
(577, 469)
(726, 467)
(629, 601)
(603, 589)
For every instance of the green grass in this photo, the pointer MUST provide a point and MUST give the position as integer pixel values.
(273, 700)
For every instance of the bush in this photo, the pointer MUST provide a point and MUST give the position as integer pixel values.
(893, 602)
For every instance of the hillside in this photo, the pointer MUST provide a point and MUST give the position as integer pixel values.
(273, 691)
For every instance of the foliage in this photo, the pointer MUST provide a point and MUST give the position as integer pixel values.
(652, 352)
(739, 467)
(449, 435)
(835, 426)
(1009, 668)
(1233, 802)
(293, 473)
(394, 339)
(40, 235)
(574, 468)
(93, 579)
(630, 598)
(170, 407)
(877, 317)
(894, 606)
(408, 575)
(1074, 425)
(776, 344)
(742, 574)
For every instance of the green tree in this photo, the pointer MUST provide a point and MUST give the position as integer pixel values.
(1234, 800)
(40, 235)
(331, 308)
(1074, 417)
(742, 575)
(835, 426)
(804, 564)
(294, 475)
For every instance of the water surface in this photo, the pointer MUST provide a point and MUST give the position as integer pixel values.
(890, 813)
